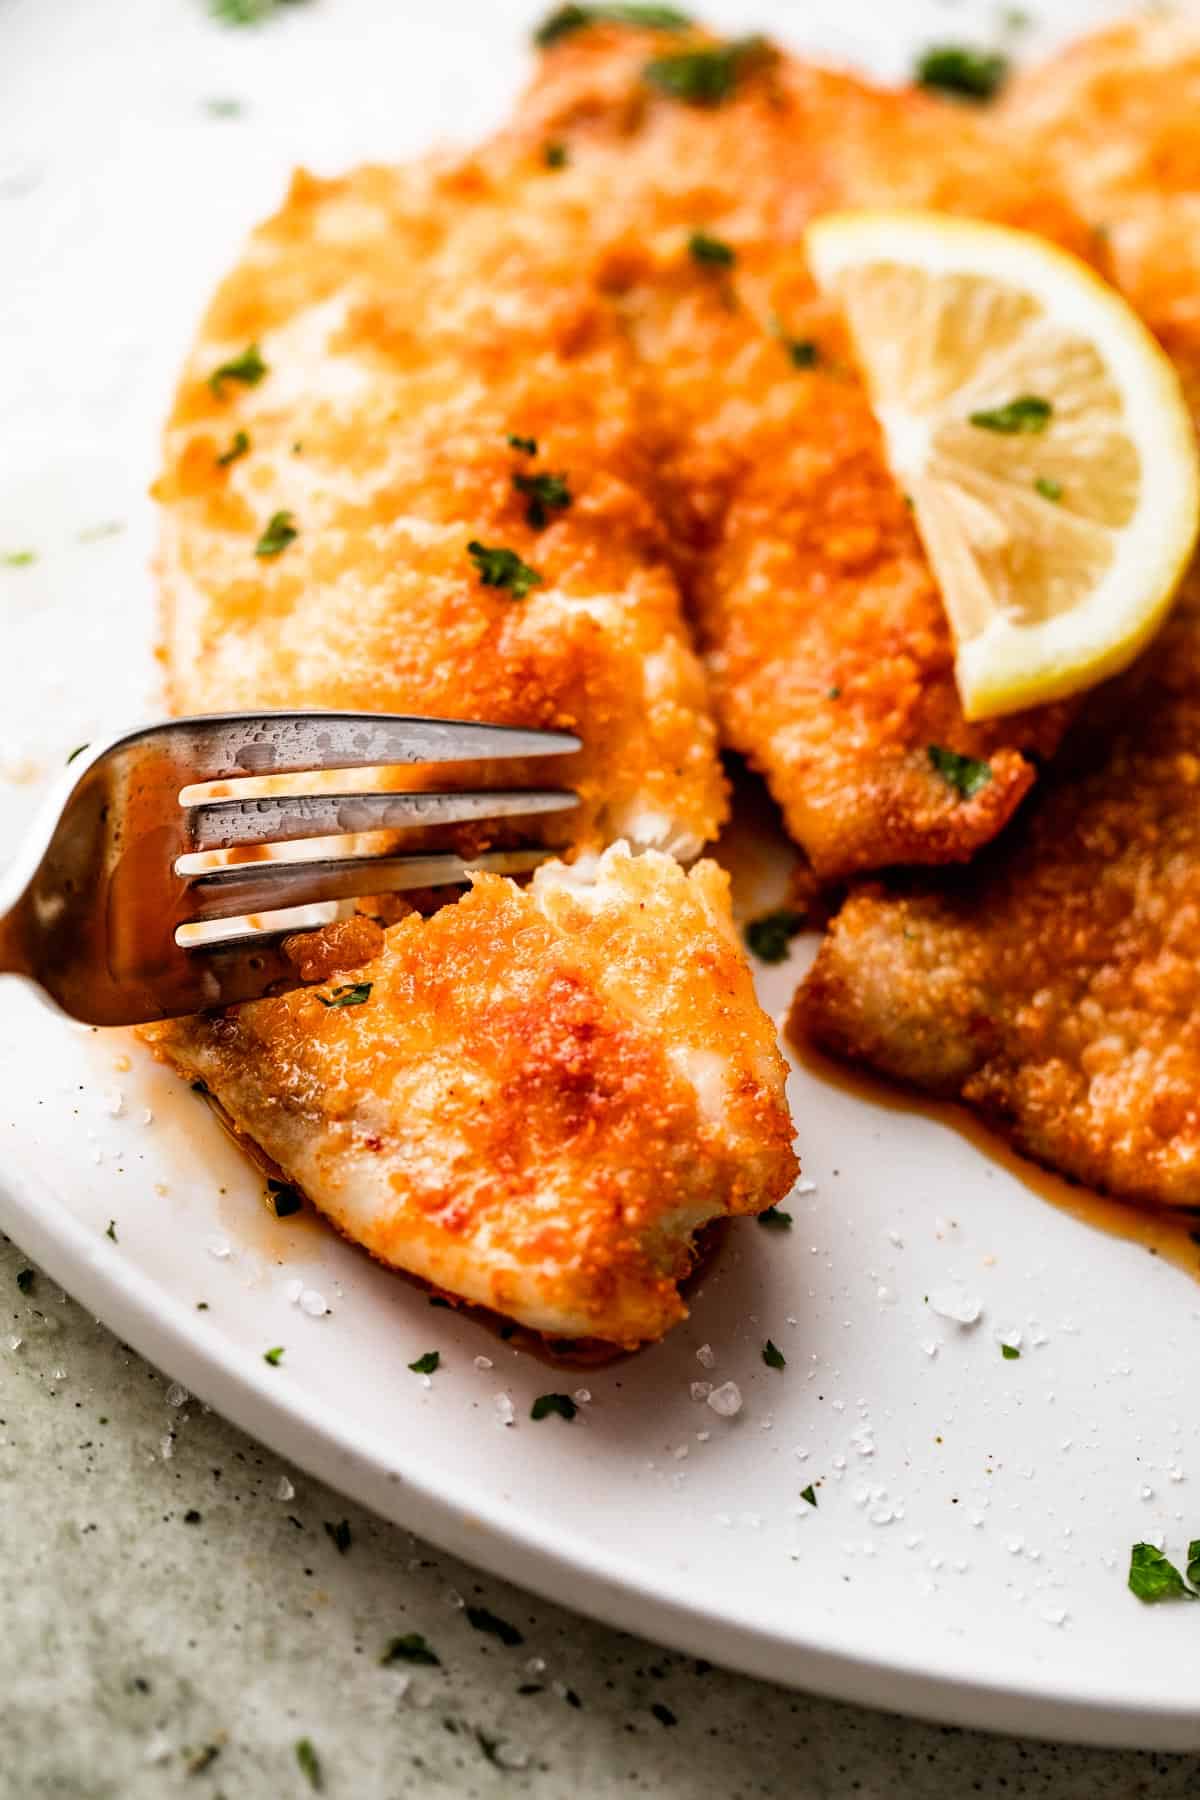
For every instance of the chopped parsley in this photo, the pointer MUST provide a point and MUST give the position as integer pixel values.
(545, 1404)
(238, 447)
(502, 568)
(248, 368)
(774, 1219)
(111, 1230)
(768, 937)
(246, 12)
(283, 1199)
(18, 559)
(554, 156)
(545, 494)
(1010, 1353)
(310, 1765)
(339, 1535)
(425, 1365)
(25, 1279)
(565, 20)
(526, 445)
(223, 107)
(280, 531)
(1028, 413)
(351, 993)
(966, 774)
(1048, 488)
(411, 1648)
(78, 751)
(483, 1620)
(1193, 1562)
(707, 77)
(713, 251)
(274, 1356)
(967, 73)
(490, 1746)
(808, 1494)
(1152, 1577)
(773, 1356)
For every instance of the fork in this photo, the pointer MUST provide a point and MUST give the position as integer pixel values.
(102, 908)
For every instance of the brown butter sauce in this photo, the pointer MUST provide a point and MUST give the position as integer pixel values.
(1164, 1232)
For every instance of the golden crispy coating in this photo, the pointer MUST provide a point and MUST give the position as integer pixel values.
(829, 653)
(407, 331)
(1113, 121)
(1056, 985)
(545, 1094)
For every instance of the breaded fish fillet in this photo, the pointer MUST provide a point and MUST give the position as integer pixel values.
(1113, 122)
(389, 377)
(1056, 985)
(697, 404)
(823, 632)
(545, 1094)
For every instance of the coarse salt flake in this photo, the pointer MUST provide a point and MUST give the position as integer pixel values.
(176, 1394)
(484, 1362)
(726, 1400)
(706, 1356)
(284, 1489)
(293, 1289)
(313, 1303)
(218, 1247)
(953, 1302)
(504, 1408)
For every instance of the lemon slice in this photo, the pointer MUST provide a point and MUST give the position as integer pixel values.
(1040, 433)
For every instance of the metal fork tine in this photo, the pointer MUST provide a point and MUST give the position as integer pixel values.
(286, 818)
(224, 746)
(269, 887)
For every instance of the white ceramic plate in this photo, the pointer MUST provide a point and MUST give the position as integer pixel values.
(967, 1557)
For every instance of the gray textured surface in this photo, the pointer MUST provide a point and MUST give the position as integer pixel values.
(145, 1651)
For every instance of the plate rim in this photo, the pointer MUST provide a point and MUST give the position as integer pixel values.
(572, 1571)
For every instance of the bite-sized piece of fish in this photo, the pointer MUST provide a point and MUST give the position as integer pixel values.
(405, 473)
(1055, 985)
(538, 1100)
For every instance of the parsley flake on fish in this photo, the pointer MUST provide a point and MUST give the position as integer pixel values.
(500, 567)
(965, 774)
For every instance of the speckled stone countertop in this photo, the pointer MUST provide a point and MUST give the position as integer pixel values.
(181, 1610)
